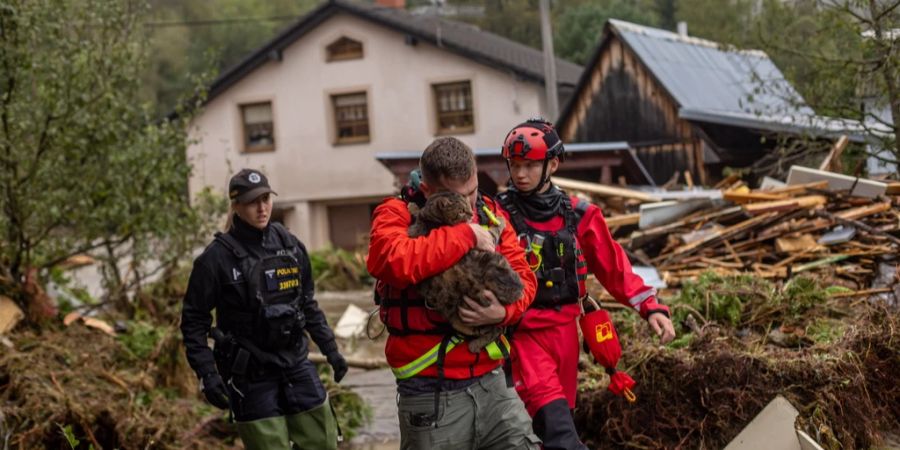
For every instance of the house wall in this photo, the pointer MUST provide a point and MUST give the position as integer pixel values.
(623, 102)
(307, 169)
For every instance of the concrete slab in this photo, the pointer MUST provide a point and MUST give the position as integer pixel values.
(771, 429)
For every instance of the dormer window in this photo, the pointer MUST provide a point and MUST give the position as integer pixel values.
(344, 49)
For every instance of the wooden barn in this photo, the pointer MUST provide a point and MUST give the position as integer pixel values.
(684, 103)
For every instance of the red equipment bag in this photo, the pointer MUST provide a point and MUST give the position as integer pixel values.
(601, 339)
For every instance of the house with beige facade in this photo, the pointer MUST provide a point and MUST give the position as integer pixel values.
(314, 106)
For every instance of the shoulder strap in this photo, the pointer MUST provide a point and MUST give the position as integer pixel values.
(287, 239)
(581, 208)
(515, 215)
(574, 213)
(232, 244)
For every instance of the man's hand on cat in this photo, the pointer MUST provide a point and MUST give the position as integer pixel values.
(474, 314)
(483, 239)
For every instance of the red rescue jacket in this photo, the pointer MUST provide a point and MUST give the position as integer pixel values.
(604, 257)
(399, 262)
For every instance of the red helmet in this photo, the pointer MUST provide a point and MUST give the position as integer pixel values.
(535, 140)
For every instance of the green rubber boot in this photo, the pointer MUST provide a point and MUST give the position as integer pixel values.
(314, 429)
(265, 434)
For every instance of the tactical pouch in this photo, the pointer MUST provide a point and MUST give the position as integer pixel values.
(276, 284)
(280, 326)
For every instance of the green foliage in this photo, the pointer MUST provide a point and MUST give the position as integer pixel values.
(834, 56)
(188, 36)
(825, 330)
(682, 341)
(801, 294)
(69, 435)
(748, 301)
(339, 270)
(141, 339)
(724, 21)
(719, 298)
(578, 28)
(84, 164)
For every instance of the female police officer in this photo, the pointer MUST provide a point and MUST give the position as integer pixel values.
(257, 278)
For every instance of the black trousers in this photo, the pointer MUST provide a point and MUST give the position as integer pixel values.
(273, 393)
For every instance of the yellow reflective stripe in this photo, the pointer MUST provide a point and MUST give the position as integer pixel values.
(493, 348)
(421, 363)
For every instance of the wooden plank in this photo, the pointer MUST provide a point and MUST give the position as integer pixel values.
(863, 211)
(833, 159)
(724, 234)
(750, 197)
(806, 202)
(687, 221)
(862, 293)
(688, 179)
(802, 243)
(623, 219)
(819, 263)
(727, 265)
(606, 191)
(798, 188)
(727, 181)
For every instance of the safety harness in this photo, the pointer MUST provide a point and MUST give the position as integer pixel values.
(554, 257)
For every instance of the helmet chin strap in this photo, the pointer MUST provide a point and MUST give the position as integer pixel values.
(545, 178)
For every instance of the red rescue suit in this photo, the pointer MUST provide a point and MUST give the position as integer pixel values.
(399, 262)
(545, 344)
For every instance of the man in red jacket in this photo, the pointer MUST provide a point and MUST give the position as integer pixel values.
(564, 238)
(449, 397)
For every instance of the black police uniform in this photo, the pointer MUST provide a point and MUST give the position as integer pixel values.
(263, 381)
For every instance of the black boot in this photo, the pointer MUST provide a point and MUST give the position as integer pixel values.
(554, 425)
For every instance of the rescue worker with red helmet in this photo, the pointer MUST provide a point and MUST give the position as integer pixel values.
(449, 397)
(564, 238)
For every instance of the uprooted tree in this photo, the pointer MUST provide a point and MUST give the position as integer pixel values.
(84, 165)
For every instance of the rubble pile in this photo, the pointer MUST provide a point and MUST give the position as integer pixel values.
(817, 223)
(789, 289)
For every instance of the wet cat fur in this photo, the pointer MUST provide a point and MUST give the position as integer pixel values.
(476, 271)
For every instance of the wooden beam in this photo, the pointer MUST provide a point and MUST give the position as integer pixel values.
(864, 211)
(833, 160)
(750, 197)
(807, 202)
(723, 234)
(795, 189)
(623, 219)
(605, 191)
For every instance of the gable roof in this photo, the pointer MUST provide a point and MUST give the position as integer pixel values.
(714, 83)
(466, 40)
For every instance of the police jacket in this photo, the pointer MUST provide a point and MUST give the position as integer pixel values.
(217, 282)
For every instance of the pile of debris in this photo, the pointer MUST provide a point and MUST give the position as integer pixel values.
(816, 222)
(701, 396)
(789, 289)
